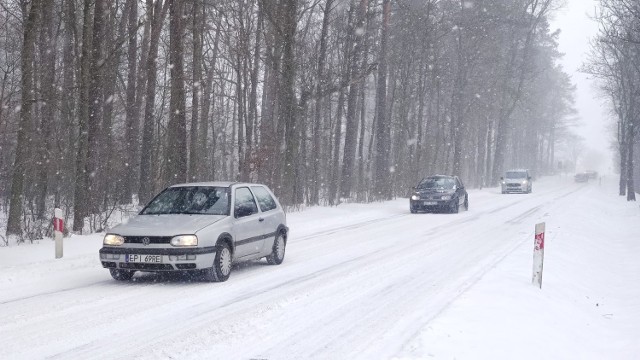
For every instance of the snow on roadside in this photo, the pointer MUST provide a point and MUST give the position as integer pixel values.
(587, 308)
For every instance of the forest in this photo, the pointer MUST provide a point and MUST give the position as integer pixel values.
(615, 62)
(106, 102)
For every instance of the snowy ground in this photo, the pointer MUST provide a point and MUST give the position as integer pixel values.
(359, 281)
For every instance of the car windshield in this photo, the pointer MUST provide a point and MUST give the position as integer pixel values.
(205, 200)
(437, 183)
(516, 175)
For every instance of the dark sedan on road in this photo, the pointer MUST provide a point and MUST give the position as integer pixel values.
(581, 177)
(439, 193)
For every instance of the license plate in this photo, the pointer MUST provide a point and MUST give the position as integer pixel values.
(147, 259)
(430, 203)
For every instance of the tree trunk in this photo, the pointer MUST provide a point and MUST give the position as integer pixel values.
(157, 12)
(631, 193)
(176, 147)
(382, 177)
(207, 163)
(80, 201)
(320, 85)
(65, 172)
(252, 119)
(95, 103)
(196, 89)
(287, 115)
(24, 132)
(48, 56)
(132, 109)
(351, 135)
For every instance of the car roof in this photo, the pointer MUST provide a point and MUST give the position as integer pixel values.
(437, 175)
(517, 170)
(215, 183)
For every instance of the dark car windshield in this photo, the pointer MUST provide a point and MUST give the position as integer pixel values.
(516, 175)
(205, 200)
(437, 183)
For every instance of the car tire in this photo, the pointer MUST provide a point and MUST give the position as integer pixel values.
(455, 206)
(466, 203)
(413, 210)
(121, 275)
(221, 267)
(277, 252)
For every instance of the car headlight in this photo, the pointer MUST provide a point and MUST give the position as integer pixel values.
(184, 240)
(503, 182)
(415, 197)
(113, 240)
(446, 197)
(524, 182)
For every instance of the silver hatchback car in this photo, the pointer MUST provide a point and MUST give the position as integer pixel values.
(199, 227)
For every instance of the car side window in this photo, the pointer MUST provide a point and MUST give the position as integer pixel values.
(265, 200)
(244, 204)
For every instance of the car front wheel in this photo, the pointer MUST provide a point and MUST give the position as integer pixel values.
(277, 253)
(455, 207)
(121, 275)
(221, 268)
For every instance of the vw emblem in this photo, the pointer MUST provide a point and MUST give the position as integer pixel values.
(146, 241)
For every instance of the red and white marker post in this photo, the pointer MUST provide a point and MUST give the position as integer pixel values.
(58, 230)
(538, 255)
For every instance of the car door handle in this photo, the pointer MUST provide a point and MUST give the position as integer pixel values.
(261, 219)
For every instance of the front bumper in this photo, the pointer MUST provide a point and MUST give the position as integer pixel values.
(515, 187)
(172, 259)
(426, 205)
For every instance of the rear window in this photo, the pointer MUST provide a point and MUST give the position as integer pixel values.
(265, 200)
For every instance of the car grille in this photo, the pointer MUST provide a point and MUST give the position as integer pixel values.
(432, 197)
(152, 239)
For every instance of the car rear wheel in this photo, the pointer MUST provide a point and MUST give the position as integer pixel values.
(121, 275)
(221, 268)
(277, 253)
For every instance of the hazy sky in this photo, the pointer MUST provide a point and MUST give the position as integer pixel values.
(576, 30)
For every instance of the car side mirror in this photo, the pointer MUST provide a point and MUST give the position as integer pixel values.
(529, 178)
(243, 210)
(501, 177)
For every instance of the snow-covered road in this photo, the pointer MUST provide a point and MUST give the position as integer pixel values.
(358, 281)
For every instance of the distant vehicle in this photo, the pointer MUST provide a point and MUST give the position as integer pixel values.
(439, 192)
(518, 180)
(592, 174)
(581, 177)
(201, 228)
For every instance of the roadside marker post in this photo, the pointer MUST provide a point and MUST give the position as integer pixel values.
(538, 254)
(58, 230)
